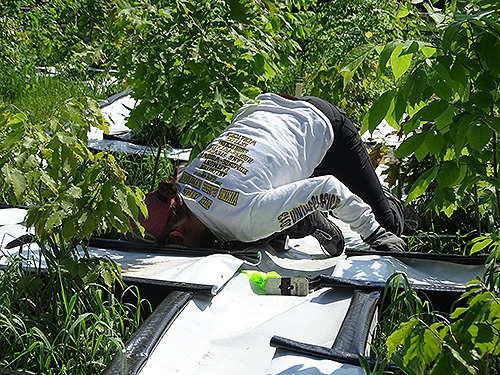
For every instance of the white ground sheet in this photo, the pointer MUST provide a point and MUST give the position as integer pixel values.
(214, 269)
(116, 112)
(230, 333)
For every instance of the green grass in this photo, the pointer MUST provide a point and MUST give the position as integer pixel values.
(53, 324)
(38, 94)
(400, 303)
(140, 169)
(430, 242)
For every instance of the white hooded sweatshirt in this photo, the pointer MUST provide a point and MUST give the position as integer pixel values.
(254, 179)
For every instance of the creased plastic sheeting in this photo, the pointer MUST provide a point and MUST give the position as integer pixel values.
(214, 269)
(116, 110)
(9, 233)
(272, 261)
(231, 333)
(305, 258)
(418, 271)
(285, 363)
(11, 226)
(128, 147)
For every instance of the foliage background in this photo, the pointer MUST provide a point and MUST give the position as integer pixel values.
(431, 74)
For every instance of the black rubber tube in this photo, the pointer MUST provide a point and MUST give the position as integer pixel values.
(143, 247)
(175, 285)
(142, 343)
(353, 334)
(323, 352)
(11, 372)
(333, 281)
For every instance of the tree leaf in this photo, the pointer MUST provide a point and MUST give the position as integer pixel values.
(414, 87)
(443, 65)
(54, 221)
(218, 98)
(480, 245)
(436, 15)
(482, 99)
(456, 354)
(15, 178)
(478, 135)
(449, 34)
(385, 55)
(12, 137)
(411, 46)
(422, 151)
(258, 64)
(400, 62)
(68, 228)
(402, 11)
(378, 111)
(462, 125)
(434, 141)
(422, 183)
(493, 123)
(88, 227)
(459, 76)
(398, 337)
(354, 58)
(448, 174)
(410, 144)
(445, 118)
(443, 364)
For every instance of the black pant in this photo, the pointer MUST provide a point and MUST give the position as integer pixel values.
(348, 161)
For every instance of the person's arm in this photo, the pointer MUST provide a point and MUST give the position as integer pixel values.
(279, 208)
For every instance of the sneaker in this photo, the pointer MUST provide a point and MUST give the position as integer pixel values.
(329, 236)
(412, 221)
(406, 215)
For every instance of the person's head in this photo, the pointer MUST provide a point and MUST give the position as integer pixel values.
(170, 220)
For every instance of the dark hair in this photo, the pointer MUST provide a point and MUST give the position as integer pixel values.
(169, 190)
(166, 190)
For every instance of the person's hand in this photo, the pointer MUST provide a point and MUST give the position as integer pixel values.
(383, 240)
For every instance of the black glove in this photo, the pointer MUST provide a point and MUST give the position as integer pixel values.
(383, 240)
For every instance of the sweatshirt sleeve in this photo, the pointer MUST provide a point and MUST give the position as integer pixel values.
(277, 209)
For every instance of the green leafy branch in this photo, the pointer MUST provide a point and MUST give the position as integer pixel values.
(72, 194)
(192, 63)
(463, 345)
(444, 100)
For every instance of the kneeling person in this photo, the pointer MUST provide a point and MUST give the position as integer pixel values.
(259, 179)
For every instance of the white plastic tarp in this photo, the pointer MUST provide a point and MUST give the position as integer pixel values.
(116, 111)
(418, 271)
(214, 269)
(230, 333)
(293, 364)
